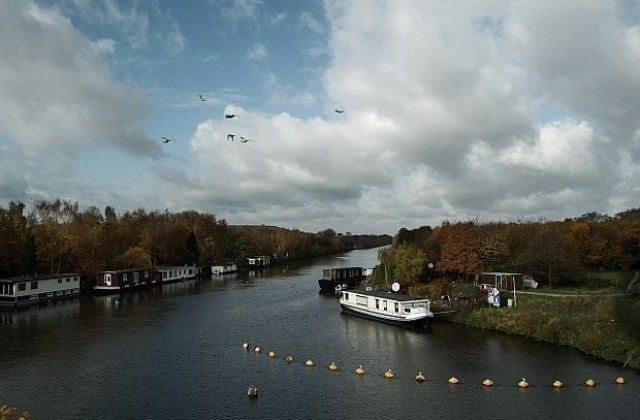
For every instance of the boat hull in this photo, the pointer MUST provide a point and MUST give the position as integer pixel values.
(413, 322)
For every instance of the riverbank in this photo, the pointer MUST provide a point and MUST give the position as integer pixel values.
(602, 325)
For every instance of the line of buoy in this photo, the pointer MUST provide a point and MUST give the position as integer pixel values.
(420, 377)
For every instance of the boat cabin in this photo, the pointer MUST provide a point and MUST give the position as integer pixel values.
(225, 268)
(177, 273)
(260, 261)
(17, 291)
(120, 280)
(340, 274)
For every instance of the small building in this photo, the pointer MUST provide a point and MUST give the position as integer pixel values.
(18, 291)
(176, 273)
(115, 281)
(503, 281)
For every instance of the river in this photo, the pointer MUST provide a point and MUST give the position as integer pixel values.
(177, 352)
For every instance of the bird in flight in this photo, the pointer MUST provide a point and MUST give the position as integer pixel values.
(202, 98)
(244, 140)
(230, 136)
(339, 111)
(166, 139)
(229, 116)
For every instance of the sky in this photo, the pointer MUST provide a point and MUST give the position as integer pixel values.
(494, 111)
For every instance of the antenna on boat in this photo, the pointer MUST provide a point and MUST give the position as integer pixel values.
(395, 286)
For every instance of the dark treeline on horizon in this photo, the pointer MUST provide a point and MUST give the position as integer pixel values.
(56, 237)
(554, 252)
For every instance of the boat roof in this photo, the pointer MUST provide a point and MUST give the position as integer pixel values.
(37, 277)
(386, 295)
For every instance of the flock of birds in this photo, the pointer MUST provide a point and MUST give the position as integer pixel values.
(229, 117)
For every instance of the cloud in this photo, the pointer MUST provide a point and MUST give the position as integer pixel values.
(257, 52)
(58, 95)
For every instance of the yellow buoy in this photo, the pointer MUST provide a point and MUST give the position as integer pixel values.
(272, 353)
(309, 363)
(487, 382)
(558, 384)
(420, 377)
(523, 383)
(590, 382)
(388, 374)
(256, 349)
(333, 366)
(359, 370)
(620, 380)
(453, 380)
(288, 358)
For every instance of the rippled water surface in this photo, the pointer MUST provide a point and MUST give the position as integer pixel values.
(176, 352)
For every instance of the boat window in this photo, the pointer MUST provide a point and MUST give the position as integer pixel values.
(346, 296)
(59, 280)
(377, 303)
(22, 287)
(407, 310)
(34, 285)
(396, 306)
(384, 304)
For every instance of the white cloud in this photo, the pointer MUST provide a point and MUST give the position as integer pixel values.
(257, 52)
(57, 93)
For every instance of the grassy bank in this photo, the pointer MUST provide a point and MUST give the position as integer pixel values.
(606, 326)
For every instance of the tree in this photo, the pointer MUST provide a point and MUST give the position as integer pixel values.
(29, 256)
(410, 264)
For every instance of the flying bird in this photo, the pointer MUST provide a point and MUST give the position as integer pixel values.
(244, 140)
(230, 136)
(339, 111)
(166, 139)
(229, 116)
(202, 98)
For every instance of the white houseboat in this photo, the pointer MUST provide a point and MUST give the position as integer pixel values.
(226, 268)
(173, 274)
(395, 308)
(116, 281)
(259, 262)
(18, 291)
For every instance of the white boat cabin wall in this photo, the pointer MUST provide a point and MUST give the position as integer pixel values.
(260, 261)
(17, 291)
(176, 273)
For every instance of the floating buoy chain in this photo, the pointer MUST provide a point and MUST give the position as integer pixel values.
(421, 377)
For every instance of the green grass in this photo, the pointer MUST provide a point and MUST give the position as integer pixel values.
(604, 326)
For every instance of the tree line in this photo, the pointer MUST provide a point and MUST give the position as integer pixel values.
(57, 237)
(559, 253)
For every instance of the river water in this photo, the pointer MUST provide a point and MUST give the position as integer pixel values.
(176, 352)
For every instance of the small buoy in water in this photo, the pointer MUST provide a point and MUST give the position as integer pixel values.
(245, 346)
(309, 363)
(256, 349)
(272, 353)
(288, 358)
(523, 383)
(388, 374)
(420, 377)
(453, 380)
(620, 380)
(487, 382)
(359, 370)
(590, 382)
(253, 391)
(558, 384)
(333, 366)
